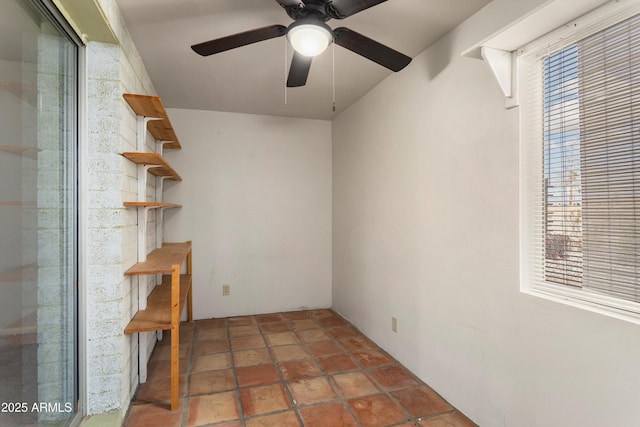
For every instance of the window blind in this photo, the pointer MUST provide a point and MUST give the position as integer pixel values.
(609, 116)
(581, 166)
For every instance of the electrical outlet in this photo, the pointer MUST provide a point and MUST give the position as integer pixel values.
(394, 324)
(226, 290)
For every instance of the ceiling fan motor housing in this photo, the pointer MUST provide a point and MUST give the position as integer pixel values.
(315, 9)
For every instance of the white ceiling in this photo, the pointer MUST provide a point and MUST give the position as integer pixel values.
(251, 79)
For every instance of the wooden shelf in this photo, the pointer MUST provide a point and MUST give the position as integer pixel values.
(162, 131)
(161, 260)
(20, 274)
(166, 302)
(150, 205)
(30, 152)
(157, 316)
(20, 330)
(25, 91)
(23, 331)
(154, 159)
(161, 309)
(17, 203)
(152, 107)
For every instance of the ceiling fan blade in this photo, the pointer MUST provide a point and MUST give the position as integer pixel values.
(370, 49)
(290, 3)
(299, 70)
(238, 40)
(340, 9)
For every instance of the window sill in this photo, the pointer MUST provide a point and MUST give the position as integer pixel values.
(628, 312)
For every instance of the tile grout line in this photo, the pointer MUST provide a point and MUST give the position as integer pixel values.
(187, 399)
(283, 381)
(330, 380)
(369, 375)
(306, 342)
(325, 374)
(365, 371)
(234, 371)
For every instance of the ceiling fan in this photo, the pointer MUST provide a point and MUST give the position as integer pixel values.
(310, 36)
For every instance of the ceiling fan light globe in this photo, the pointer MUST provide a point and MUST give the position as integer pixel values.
(309, 39)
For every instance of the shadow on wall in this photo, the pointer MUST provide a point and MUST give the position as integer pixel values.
(438, 57)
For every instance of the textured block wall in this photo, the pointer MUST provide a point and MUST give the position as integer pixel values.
(111, 232)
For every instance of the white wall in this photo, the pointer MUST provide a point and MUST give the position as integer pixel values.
(256, 196)
(425, 200)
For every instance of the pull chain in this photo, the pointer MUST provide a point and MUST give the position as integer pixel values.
(333, 74)
(285, 70)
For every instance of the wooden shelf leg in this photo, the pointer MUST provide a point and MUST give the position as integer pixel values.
(190, 305)
(175, 337)
(190, 295)
(175, 369)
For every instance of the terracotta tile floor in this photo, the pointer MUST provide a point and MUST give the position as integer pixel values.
(303, 368)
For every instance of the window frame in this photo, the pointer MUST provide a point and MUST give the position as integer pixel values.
(79, 174)
(529, 83)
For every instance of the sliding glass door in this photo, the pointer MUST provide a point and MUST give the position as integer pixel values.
(38, 217)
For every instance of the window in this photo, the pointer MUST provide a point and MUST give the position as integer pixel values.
(581, 167)
(38, 205)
